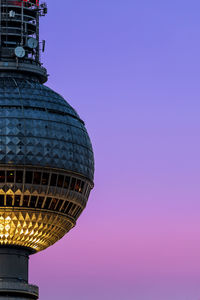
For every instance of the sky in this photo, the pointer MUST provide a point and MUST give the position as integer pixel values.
(132, 71)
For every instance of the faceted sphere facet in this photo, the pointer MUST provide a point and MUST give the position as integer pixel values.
(46, 164)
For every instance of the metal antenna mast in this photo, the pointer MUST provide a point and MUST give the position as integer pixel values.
(19, 37)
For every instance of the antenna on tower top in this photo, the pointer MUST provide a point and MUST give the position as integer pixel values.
(19, 36)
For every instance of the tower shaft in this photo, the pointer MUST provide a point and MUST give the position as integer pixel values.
(14, 275)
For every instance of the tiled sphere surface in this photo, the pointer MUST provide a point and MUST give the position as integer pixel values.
(39, 128)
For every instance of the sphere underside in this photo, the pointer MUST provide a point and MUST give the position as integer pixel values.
(46, 164)
(31, 228)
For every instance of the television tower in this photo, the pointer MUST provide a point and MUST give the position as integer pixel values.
(46, 157)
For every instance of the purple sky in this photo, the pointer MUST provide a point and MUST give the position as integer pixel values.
(132, 71)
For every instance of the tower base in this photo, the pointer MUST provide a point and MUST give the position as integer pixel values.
(14, 275)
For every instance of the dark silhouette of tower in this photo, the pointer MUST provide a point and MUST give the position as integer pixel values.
(46, 157)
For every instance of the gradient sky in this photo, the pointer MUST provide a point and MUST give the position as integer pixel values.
(132, 71)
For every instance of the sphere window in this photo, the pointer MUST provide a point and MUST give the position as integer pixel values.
(10, 176)
(77, 210)
(86, 190)
(78, 213)
(33, 201)
(37, 178)
(72, 185)
(1, 200)
(82, 186)
(17, 200)
(67, 181)
(72, 209)
(60, 180)
(19, 176)
(40, 202)
(53, 179)
(64, 206)
(60, 203)
(2, 176)
(78, 186)
(69, 207)
(25, 200)
(45, 179)
(47, 202)
(53, 203)
(9, 200)
(29, 177)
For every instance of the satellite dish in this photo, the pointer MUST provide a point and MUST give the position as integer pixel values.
(32, 43)
(20, 52)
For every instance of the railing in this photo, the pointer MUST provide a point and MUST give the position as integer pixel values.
(19, 287)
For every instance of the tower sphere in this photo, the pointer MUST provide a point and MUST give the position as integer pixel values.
(46, 163)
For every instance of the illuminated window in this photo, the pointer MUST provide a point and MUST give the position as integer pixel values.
(25, 200)
(45, 179)
(47, 202)
(29, 177)
(2, 176)
(9, 200)
(19, 176)
(78, 186)
(40, 201)
(10, 176)
(1, 200)
(33, 201)
(67, 181)
(72, 184)
(17, 200)
(36, 177)
(53, 179)
(60, 180)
